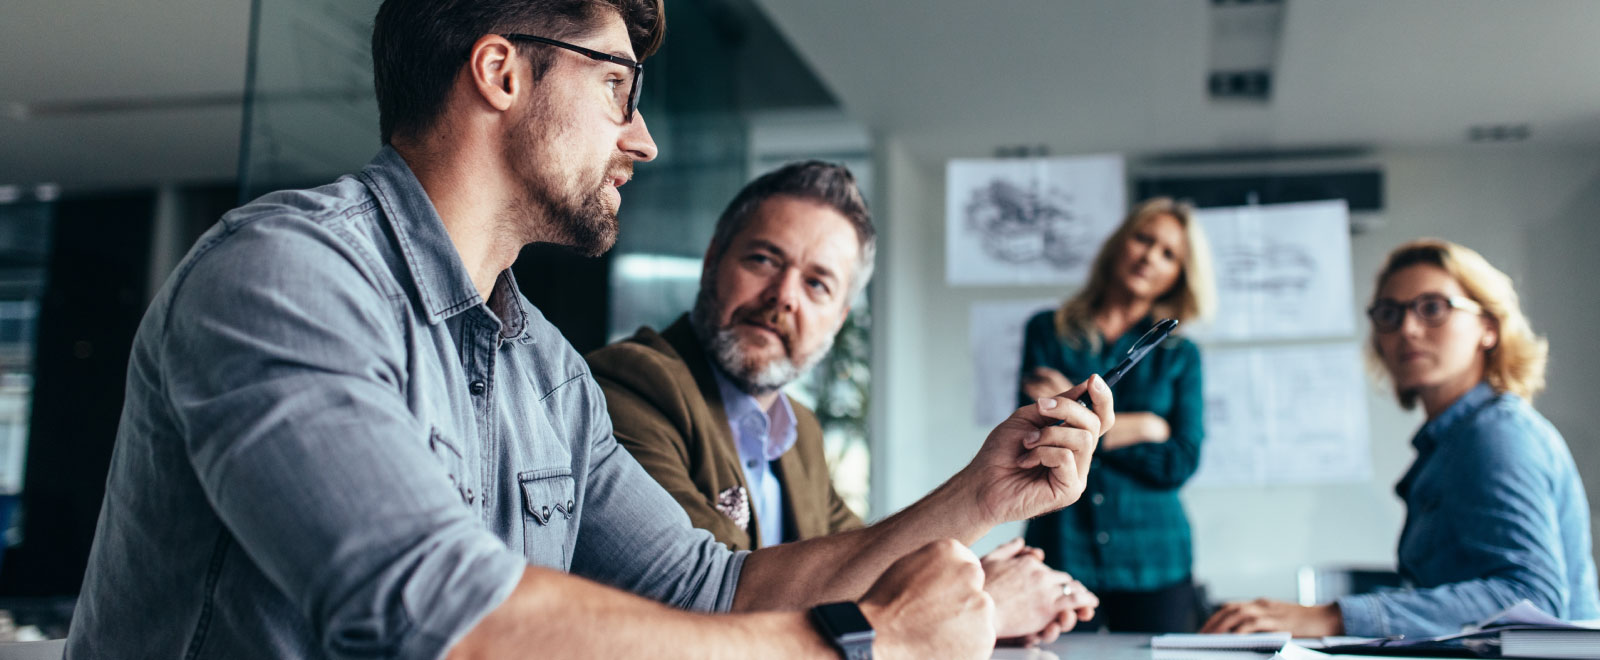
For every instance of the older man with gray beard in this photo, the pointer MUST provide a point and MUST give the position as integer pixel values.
(700, 404)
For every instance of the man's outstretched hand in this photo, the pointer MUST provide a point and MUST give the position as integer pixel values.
(1029, 465)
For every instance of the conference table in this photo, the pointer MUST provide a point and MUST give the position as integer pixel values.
(1106, 646)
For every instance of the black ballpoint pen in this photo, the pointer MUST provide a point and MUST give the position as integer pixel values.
(1147, 343)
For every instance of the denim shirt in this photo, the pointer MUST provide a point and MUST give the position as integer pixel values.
(760, 440)
(1495, 513)
(332, 446)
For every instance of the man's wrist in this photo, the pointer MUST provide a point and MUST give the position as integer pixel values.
(959, 502)
(846, 628)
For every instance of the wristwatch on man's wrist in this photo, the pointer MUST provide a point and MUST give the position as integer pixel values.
(843, 625)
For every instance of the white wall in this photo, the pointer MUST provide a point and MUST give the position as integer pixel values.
(1529, 212)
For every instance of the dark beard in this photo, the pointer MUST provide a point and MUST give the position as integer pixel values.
(585, 224)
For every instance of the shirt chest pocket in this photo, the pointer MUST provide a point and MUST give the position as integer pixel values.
(549, 516)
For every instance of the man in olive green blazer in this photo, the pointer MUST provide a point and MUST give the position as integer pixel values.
(667, 411)
(700, 404)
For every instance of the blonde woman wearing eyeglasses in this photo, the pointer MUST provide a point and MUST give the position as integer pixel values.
(1495, 510)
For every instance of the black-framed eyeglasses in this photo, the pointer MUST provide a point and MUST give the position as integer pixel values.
(630, 103)
(1433, 309)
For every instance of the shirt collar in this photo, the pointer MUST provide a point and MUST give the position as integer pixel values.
(1440, 427)
(439, 277)
(780, 427)
(437, 273)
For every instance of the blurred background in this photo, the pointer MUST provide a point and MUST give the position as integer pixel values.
(126, 129)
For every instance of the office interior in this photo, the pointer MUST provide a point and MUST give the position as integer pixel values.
(126, 129)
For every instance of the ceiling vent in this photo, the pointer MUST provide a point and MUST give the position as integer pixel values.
(1245, 35)
(1499, 133)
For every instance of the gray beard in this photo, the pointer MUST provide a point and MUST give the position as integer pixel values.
(723, 346)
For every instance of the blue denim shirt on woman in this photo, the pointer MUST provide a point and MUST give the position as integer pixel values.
(1495, 513)
(332, 446)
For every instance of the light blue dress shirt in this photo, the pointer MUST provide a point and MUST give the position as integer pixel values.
(761, 439)
(1495, 513)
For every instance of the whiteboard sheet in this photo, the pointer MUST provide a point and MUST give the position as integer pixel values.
(995, 333)
(1284, 414)
(1029, 220)
(1283, 272)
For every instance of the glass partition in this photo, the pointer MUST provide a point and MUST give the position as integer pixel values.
(310, 116)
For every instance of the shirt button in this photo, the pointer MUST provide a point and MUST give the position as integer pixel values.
(546, 512)
(478, 387)
(753, 464)
(1103, 538)
(1098, 499)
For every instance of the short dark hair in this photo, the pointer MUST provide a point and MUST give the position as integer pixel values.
(419, 46)
(813, 180)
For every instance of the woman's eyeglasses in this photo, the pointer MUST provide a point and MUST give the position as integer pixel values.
(1433, 309)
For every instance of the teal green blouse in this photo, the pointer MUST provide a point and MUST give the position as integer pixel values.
(1128, 532)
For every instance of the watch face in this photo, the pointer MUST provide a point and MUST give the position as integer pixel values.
(845, 620)
(844, 626)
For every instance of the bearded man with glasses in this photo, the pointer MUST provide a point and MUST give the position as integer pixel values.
(347, 434)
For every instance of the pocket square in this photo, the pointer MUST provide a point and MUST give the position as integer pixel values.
(735, 504)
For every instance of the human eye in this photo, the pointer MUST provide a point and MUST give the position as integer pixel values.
(1385, 314)
(819, 286)
(1432, 307)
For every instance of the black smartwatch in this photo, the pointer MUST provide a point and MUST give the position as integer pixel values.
(844, 626)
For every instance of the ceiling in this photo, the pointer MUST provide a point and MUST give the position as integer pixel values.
(127, 94)
(958, 78)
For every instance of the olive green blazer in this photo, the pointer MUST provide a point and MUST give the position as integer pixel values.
(667, 411)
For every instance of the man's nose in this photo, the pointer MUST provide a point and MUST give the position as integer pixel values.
(636, 141)
(784, 293)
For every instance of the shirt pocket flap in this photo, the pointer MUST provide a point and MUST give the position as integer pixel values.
(547, 495)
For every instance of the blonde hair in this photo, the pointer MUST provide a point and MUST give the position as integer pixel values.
(1513, 364)
(1192, 296)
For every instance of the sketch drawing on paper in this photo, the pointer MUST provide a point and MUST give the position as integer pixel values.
(1029, 221)
(1277, 274)
(1271, 268)
(1283, 272)
(1284, 414)
(1034, 223)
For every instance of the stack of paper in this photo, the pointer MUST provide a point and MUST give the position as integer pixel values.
(1258, 642)
(1551, 643)
(1219, 647)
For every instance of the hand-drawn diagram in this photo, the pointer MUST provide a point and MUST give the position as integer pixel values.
(1285, 414)
(1029, 221)
(1283, 272)
(1021, 225)
(995, 333)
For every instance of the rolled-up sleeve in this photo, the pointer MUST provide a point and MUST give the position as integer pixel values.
(287, 375)
(635, 536)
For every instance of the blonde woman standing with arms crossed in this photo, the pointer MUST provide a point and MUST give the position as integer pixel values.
(1128, 539)
(1495, 510)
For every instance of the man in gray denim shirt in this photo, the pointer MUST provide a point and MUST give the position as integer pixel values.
(347, 434)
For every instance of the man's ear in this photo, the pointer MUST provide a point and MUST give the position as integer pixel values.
(493, 69)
